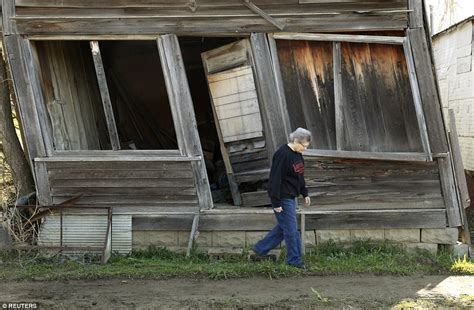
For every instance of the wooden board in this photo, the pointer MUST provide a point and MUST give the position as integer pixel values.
(307, 74)
(448, 184)
(235, 99)
(125, 185)
(25, 97)
(428, 91)
(379, 111)
(184, 118)
(457, 162)
(322, 220)
(272, 101)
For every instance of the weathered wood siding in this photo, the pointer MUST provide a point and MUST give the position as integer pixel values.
(342, 184)
(308, 80)
(337, 184)
(184, 16)
(133, 186)
(453, 52)
(72, 101)
(377, 102)
(379, 112)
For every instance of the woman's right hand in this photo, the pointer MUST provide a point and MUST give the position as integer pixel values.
(278, 210)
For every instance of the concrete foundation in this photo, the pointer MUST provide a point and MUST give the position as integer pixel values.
(410, 239)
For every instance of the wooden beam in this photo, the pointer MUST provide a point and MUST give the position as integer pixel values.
(100, 153)
(269, 102)
(110, 158)
(183, 113)
(43, 188)
(415, 15)
(192, 234)
(427, 85)
(448, 187)
(417, 100)
(34, 140)
(338, 104)
(263, 14)
(280, 89)
(367, 155)
(8, 14)
(104, 93)
(457, 162)
(236, 220)
(303, 232)
(338, 38)
(32, 71)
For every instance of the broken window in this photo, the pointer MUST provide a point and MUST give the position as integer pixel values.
(139, 105)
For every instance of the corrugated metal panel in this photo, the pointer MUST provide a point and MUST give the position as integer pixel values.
(87, 231)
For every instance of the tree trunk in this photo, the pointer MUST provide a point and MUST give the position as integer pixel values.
(12, 150)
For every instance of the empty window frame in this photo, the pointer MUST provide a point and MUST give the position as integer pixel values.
(357, 94)
(108, 95)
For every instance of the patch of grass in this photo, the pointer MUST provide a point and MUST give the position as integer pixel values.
(159, 262)
(463, 266)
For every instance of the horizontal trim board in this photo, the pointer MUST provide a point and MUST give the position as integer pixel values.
(338, 38)
(343, 22)
(401, 4)
(144, 153)
(116, 158)
(137, 182)
(391, 156)
(113, 191)
(235, 221)
(78, 174)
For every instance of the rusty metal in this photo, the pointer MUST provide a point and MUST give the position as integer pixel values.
(69, 205)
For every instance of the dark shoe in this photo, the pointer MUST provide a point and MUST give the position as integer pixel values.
(256, 257)
(302, 266)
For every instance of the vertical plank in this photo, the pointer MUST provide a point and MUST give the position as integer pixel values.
(338, 104)
(415, 16)
(279, 85)
(457, 161)
(107, 250)
(183, 111)
(303, 232)
(417, 100)
(192, 234)
(25, 99)
(43, 188)
(448, 187)
(8, 12)
(241, 57)
(269, 102)
(428, 91)
(32, 70)
(104, 92)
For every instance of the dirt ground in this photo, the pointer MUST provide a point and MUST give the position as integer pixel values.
(308, 292)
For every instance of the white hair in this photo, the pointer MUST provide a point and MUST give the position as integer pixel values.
(300, 134)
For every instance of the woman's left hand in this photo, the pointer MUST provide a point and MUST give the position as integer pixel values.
(307, 201)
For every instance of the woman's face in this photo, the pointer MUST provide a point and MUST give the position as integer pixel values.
(300, 146)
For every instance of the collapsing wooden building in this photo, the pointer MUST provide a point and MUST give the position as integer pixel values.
(169, 112)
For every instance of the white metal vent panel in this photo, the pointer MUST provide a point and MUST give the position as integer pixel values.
(87, 231)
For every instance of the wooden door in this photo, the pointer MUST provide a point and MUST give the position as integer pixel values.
(235, 102)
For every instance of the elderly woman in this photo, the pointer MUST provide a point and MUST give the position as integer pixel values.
(286, 182)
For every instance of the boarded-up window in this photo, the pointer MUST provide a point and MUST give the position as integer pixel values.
(307, 71)
(235, 99)
(378, 110)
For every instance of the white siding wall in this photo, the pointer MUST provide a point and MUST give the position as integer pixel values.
(454, 59)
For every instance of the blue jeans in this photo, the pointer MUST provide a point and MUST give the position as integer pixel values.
(287, 230)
